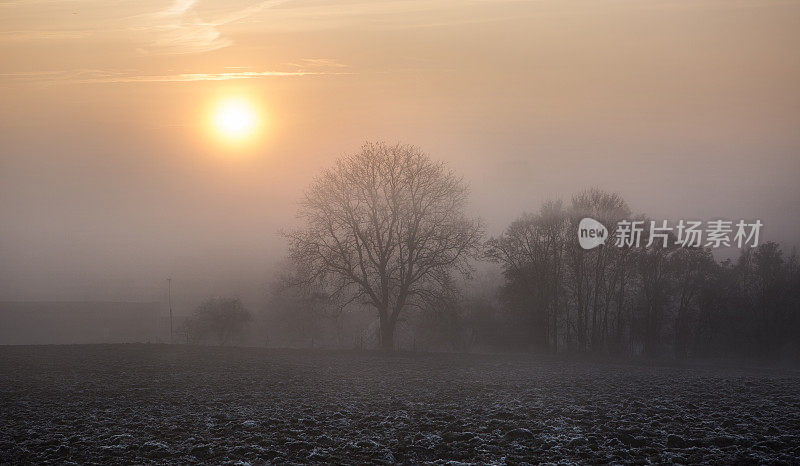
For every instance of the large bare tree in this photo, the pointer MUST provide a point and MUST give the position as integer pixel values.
(386, 226)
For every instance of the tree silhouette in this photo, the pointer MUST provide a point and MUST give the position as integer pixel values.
(222, 318)
(386, 226)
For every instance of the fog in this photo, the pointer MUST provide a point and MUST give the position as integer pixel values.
(349, 232)
(110, 182)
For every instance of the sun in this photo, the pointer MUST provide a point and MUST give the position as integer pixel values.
(235, 119)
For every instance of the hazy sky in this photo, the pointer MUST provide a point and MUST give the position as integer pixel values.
(111, 179)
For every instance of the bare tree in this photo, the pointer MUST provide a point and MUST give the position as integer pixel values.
(594, 274)
(300, 308)
(531, 254)
(386, 226)
(765, 277)
(692, 268)
(222, 318)
(567, 292)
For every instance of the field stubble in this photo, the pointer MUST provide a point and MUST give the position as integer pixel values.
(152, 403)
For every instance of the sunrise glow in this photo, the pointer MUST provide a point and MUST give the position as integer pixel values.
(235, 119)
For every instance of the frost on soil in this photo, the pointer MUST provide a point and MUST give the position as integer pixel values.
(140, 403)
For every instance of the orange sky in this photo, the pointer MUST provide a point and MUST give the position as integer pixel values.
(110, 178)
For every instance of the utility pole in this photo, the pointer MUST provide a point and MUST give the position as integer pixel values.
(169, 297)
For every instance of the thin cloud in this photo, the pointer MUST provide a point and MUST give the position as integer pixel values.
(190, 26)
(319, 62)
(191, 77)
(34, 35)
(102, 76)
(180, 30)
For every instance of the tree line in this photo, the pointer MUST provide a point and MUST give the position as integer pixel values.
(385, 232)
(674, 300)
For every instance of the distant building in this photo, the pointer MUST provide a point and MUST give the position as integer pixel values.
(30, 323)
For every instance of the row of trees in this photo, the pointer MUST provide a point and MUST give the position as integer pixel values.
(386, 228)
(632, 300)
(385, 232)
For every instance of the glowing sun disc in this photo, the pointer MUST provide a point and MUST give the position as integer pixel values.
(235, 119)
